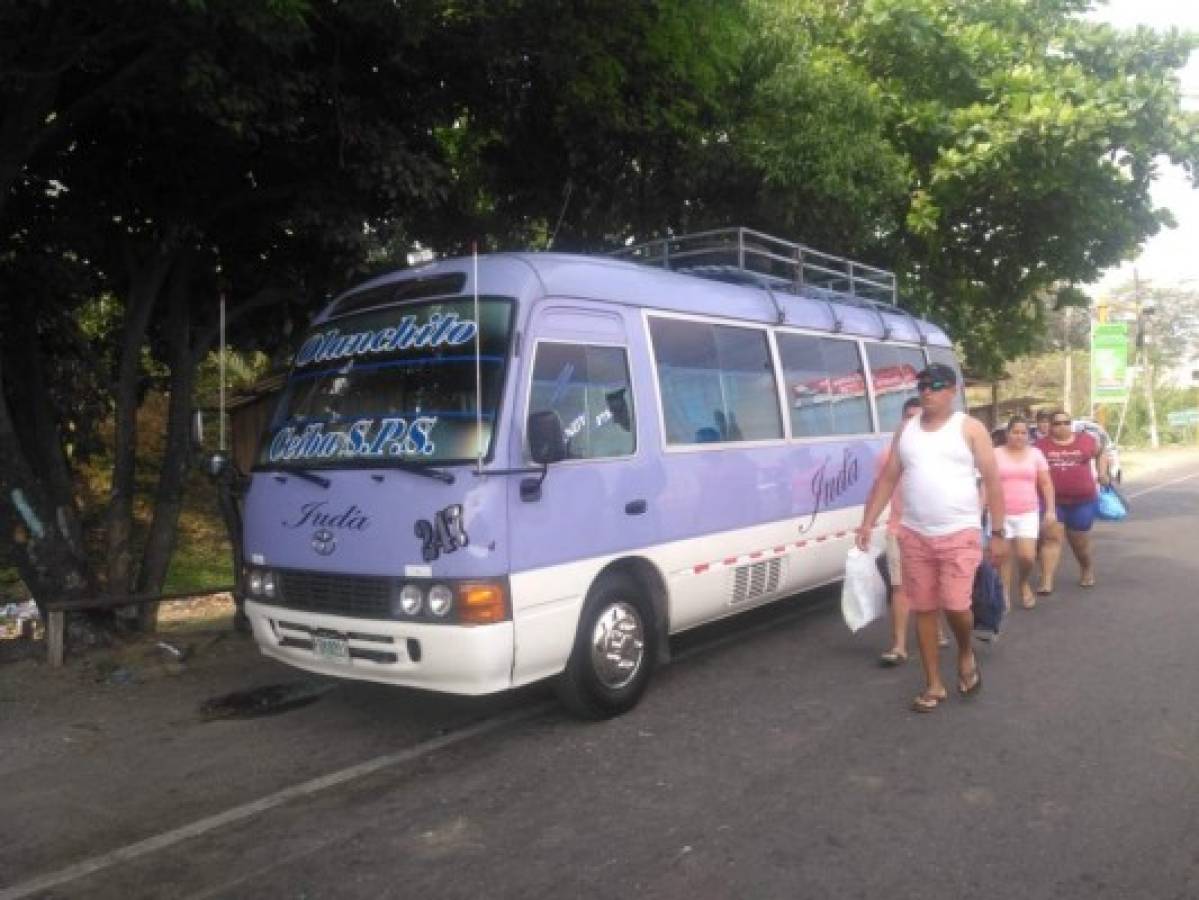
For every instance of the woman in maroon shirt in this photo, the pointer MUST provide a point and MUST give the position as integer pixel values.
(1069, 455)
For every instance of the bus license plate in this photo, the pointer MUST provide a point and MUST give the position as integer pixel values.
(331, 647)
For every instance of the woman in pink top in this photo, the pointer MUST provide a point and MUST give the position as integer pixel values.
(1024, 474)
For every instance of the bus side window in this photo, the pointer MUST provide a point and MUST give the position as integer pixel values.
(893, 371)
(717, 382)
(588, 387)
(826, 385)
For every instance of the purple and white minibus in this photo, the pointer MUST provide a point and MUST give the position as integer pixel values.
(485, 472)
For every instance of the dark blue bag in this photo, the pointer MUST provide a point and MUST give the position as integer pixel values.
(986, 601)
(1112, 507)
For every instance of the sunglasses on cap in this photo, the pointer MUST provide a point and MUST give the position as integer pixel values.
(932, 384)
(1059, 421)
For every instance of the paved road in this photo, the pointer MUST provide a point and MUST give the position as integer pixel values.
(773, 760)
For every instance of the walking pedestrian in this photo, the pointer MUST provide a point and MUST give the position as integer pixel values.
(1069, 455)
(898, 652)
(934, 457)
(1027, 490)
(1043, 419)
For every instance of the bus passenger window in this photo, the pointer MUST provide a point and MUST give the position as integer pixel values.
(893, 371)
(717, 382)
(826, 385)
(588, 387)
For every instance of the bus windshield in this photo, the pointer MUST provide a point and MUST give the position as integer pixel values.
(395, 384)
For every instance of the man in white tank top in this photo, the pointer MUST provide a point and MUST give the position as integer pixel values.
(934, 460)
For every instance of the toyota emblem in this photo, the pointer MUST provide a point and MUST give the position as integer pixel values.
(324, 541)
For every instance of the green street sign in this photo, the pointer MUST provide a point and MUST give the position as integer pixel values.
(1109, 362)
(1183, 418)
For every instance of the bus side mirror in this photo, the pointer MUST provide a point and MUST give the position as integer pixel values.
(546, 441)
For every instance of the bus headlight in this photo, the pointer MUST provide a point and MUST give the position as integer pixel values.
(268, 584)
(441, 600)
(409, 601)
(255, 583)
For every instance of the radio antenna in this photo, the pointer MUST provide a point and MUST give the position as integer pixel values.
(474, 253)
(562, 215)
(221, 358)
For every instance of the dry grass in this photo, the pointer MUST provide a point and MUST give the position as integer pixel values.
(201, 614)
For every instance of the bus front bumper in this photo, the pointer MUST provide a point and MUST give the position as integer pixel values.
(456, 659)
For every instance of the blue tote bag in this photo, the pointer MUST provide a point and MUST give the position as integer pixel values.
(1112, 507)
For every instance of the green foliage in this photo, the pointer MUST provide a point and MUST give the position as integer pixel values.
(1032, 136)
(1136, 419)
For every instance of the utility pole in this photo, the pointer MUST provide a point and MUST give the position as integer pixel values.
(1098, 410)
(1144, 340)
(1069, 366)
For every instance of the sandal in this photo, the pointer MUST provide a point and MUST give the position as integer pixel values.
(892, 658)
(970, 687)
(927, 701)
(942, 640)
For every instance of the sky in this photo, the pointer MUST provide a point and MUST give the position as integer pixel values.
(1172, 255)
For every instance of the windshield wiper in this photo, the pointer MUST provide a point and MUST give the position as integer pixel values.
(421, 469)
(303, 473)
(403, 465)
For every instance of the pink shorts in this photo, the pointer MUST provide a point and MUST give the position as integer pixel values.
(938, 572)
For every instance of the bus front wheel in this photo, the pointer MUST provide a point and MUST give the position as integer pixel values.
(614, 651)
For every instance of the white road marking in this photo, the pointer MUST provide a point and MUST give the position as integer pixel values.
(246, 810)
(1148, 490)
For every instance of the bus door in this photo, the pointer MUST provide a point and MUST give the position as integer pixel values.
(600, 500)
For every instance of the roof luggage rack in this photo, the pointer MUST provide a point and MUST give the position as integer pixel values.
(745, 256)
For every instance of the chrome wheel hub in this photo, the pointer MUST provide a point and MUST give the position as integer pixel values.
(617, 645)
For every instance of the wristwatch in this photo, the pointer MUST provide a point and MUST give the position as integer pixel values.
(999, 533)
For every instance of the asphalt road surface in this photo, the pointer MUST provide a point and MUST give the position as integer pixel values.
(772, 759)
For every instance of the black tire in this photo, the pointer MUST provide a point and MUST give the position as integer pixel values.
(615, 606)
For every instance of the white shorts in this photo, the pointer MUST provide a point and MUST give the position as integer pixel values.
(1022, 525)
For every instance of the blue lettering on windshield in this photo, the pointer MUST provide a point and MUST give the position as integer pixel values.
(440, 330)
(364, 439)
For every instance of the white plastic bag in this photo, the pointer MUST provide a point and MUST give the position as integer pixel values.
(863, 594)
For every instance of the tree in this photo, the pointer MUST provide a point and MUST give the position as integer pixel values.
(249, 161)
(1033, 150)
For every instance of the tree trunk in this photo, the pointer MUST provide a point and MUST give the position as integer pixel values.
(146, 283)
(168, 497)
(34, 421)
(40, 550)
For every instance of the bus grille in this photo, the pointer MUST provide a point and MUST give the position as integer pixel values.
(757, 580)
(364, 596)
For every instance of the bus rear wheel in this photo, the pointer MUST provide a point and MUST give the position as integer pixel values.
(614, 651)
